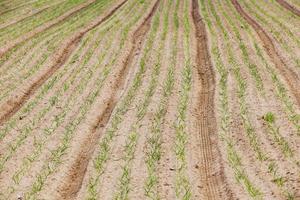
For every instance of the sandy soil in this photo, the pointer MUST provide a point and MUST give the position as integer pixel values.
(163, 99)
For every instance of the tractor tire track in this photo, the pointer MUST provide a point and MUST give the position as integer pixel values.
(290, 77)
(289, 7)
(13, 105)
(74, 179)
(211, 166)
(45, 27)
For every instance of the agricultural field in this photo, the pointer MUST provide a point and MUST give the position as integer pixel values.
(149, 99)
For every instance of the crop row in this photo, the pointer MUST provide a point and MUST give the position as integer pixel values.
(18, 15)
(278, 179)
(281, 91)
(72, 78)
(142, 107)
(233, 156)
(16, 30)
(82, 84)
(268, 162)
(104, 147)
(241, 94)
(69, 104)
(7, 5)
(26, 109)
(70, 130)
(57, 34)
(153, 152)
(182, 183)
(277, 27)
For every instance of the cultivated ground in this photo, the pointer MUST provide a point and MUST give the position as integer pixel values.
(149, 99)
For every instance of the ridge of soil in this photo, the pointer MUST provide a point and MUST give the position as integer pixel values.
(13, 105)
(78, 168)
(211, 167)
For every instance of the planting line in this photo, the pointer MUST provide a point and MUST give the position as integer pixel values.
(58, 28)
(55, 42)
(19, 6)
(72, 186)
(281, 91)
(234, 158)
(279, 36)
(280, 88)
(44, 27)
(154, 141)
(183, 189)
(261, 156)
(62, 114)
(62, 57)
(42, 113)
(290, 77)
(101, 159)
(55, 159)
(42, 92)
(131, 141)
(35, 14)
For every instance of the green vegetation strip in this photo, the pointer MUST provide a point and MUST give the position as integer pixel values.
(12, 32)
(182, 183)
(261, 157)
(233, 157)
(45, 88)
(277, 28)
(154, 141)
(274, 131)
(281, 91)
(59, 118)
(253, 68)
(268, 161)
(130, 148)
(118, 116)
(56, 155)
(52, 46)
(17, 16)
(242, 86)
(58, 33)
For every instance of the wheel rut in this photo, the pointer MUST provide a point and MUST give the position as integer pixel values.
(289, 7)
(73, 182)
(211, 166)
(13, 105)
(289, 76)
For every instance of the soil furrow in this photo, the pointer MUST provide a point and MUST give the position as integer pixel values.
(44, 27)
(78, 168)
(290, 77)
(13, 105)
(289, 7)
(211, 166)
